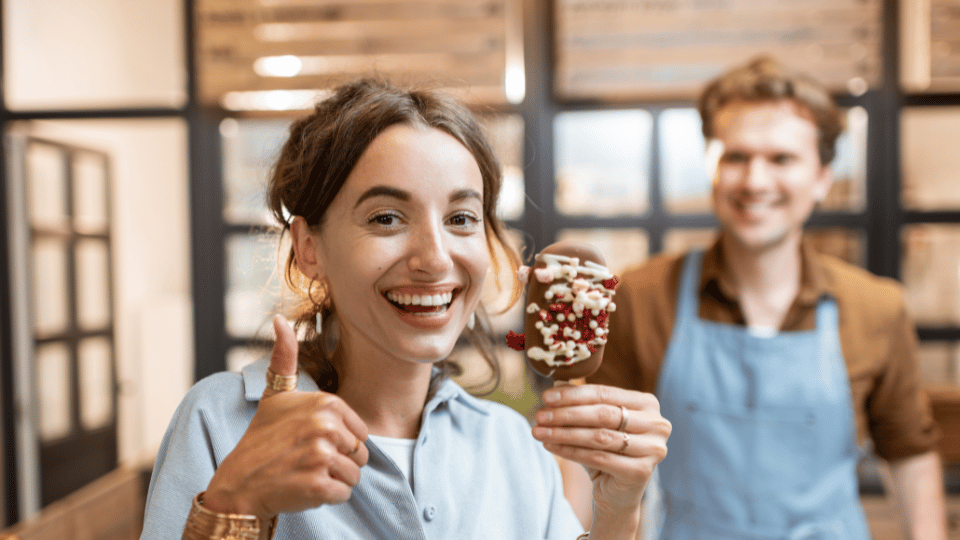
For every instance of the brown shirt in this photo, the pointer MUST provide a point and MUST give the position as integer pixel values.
(877, 338)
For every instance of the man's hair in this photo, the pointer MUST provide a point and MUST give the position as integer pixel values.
(764, 79)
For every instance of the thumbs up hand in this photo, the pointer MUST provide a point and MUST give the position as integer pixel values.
(301, 450)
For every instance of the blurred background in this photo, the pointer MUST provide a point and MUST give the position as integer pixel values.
(138, 256)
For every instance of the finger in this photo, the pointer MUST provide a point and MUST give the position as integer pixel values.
(591, 394)
(322, 457)
(283, 358)
(354, 425)
(604, 416)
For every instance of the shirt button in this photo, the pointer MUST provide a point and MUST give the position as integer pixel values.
(429, 512)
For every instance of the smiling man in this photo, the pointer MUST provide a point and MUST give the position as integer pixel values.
(776, 365)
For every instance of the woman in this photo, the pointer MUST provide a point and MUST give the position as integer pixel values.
(389, 197)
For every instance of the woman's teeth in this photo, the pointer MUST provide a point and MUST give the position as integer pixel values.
(420, 299)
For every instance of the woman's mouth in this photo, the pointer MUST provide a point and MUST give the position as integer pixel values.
(421, 304)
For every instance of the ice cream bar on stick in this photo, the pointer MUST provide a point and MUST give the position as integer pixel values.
(569, 301)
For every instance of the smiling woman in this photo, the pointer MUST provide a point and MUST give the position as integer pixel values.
(389, 197)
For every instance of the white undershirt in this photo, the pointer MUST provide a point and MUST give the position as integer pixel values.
(398, 450)
(762, 331)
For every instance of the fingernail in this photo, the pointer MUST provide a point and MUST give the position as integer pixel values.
(541, 432)
(551, 396)
(544, 417)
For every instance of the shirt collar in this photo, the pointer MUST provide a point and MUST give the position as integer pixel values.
(451, 391)
(255, 382)
(813, 280)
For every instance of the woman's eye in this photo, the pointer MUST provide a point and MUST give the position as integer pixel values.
(463, 220)
(387, 220)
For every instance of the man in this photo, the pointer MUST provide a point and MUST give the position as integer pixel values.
(775, 364)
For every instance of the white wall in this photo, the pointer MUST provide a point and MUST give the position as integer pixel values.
(93, 53)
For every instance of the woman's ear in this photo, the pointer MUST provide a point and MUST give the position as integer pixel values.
(305, 248)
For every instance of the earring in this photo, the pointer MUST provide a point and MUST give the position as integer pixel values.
(319, 322)
(472, 321)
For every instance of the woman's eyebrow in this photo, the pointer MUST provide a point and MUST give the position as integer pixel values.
(383, 191)
(461, 194)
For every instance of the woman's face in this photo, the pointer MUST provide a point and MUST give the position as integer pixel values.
(403, 246)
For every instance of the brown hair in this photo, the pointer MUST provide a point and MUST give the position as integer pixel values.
(315, 161)
(766, 79)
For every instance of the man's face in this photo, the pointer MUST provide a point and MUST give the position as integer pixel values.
(768, 176)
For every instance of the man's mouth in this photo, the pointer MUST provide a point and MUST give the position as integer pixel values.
(421, 304)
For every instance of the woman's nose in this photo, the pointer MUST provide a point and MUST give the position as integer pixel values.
(429, 253)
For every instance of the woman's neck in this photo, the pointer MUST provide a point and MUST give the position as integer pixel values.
(387, 393)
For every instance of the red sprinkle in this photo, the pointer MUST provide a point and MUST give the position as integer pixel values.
(515, 341)
(611, 283)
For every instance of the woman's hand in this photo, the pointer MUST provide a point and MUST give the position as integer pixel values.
(618, 435)
(302, 449)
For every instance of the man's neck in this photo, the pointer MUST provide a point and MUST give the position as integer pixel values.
(767, 280)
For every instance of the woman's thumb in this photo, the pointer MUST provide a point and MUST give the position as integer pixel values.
(283, 358)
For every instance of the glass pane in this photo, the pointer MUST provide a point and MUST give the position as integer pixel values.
(90, 202)
(97, 388)
(681, 240)
(78, 53)
(849, 191)
(93, 284)
(50, 297)
(46, 186)
(930, 159)
(53, 391)
(250, 148)
(685, 185)
(253, 285)
(846, 244)
(621, 248)
(602, 161)
(940, 362)
(239, 357)
(506, 134)
(931, 273)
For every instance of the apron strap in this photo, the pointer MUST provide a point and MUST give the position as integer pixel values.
(688, 296)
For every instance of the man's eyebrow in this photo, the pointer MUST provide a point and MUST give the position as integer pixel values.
(383, 191)
(461, 194)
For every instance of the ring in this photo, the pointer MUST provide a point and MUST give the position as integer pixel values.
(280, 383)
(356, 447)
(623, 418)
(626, 442)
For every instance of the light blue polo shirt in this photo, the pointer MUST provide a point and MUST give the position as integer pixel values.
(477, 472)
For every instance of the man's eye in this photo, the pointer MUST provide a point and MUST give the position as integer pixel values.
(782, 159)
(733, 158)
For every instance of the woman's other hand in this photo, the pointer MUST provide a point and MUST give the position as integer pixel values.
(301, 450)
(618, 435)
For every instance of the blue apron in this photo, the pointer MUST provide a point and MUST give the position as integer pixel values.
(763, 443)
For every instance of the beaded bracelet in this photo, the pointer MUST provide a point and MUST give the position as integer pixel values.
(204, 524)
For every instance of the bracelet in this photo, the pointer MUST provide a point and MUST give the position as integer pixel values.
(204, 524)
(584, 536)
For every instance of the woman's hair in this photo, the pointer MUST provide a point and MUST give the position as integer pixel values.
(765, 79)
(315, 161)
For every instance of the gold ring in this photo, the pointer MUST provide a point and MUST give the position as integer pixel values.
(623, 419)
(356, 446)
(626, 442)
(280, 383)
